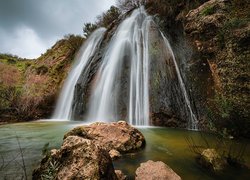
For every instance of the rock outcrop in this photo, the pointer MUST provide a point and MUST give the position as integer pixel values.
(220, 31)
(209, 158)
(151, 170)
(84, 153)
(78, 158)
(119, 136)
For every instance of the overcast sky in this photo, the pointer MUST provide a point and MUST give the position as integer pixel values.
(29, 27)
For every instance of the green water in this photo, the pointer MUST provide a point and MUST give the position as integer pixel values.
(163, 144)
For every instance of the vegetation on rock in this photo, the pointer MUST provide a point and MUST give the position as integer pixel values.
(28, 88)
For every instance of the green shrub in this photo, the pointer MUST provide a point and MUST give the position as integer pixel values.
(42, 69)
(235, 23)
(208, 11)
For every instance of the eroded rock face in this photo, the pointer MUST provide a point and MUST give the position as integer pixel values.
(119, 136)
(151, 170)
(209, 158)
(219, 31)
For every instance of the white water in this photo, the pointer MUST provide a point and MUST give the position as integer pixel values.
(64, 104)
(129, 45)
(131, 40)
(192, 124)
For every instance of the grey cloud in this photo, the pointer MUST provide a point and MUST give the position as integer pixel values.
(49, 19)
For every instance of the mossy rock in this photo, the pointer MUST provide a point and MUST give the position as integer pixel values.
(78, 131)
(209, 158)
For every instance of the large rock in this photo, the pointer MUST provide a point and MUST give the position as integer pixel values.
(151, 170)
(85, 152)
(209, 158)
(119, 136)
(78, 158)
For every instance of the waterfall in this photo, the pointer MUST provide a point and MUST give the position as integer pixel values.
(192, 124)
(119, 85)
(64, 104)
(130, 40)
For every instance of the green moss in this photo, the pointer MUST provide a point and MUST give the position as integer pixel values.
(208, 11)
(235, 23)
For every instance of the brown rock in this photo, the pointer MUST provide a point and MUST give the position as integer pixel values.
(120, 175)
(78, 158)
(114, 154)
(119, 136)
(151, 170)
(84, 153)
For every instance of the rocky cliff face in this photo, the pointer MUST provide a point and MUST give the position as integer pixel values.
(219, 32)
(211, 45)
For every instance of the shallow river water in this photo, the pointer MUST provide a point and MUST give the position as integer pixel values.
(162, 144)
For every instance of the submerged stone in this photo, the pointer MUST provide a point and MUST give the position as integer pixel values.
(209, 158)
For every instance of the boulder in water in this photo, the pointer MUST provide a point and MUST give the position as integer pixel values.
(78, 158)
(119, 136)
(151, 170)
(85, 152)
(209, 158)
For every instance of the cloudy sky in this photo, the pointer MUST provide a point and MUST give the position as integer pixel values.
(29, 27)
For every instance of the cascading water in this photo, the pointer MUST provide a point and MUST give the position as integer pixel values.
(130, 39)
(121, 81)
(192, 124)
(64, 104)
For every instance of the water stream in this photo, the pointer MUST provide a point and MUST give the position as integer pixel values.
(129, 43)
(126, 58)
(64, 105)
(192, 124)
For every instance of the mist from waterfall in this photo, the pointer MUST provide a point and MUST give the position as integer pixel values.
(129, 43)
(64, 105)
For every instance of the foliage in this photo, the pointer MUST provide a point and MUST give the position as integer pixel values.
(235, 23)
(88, 28)
(103, 20)
(32, 96)
(42, 69)
(232, 150)
(45, 150)
(51, 170)
(9, 86)
(208, 11)
(107, 18)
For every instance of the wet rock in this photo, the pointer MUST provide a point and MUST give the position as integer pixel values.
(218, 71)
(151, 170)
(120, 175)
(86, 150)
(114, 154)
(209, 158)
(78, 158)
(119, 136)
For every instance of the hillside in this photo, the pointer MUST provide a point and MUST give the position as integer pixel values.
(29, 87)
